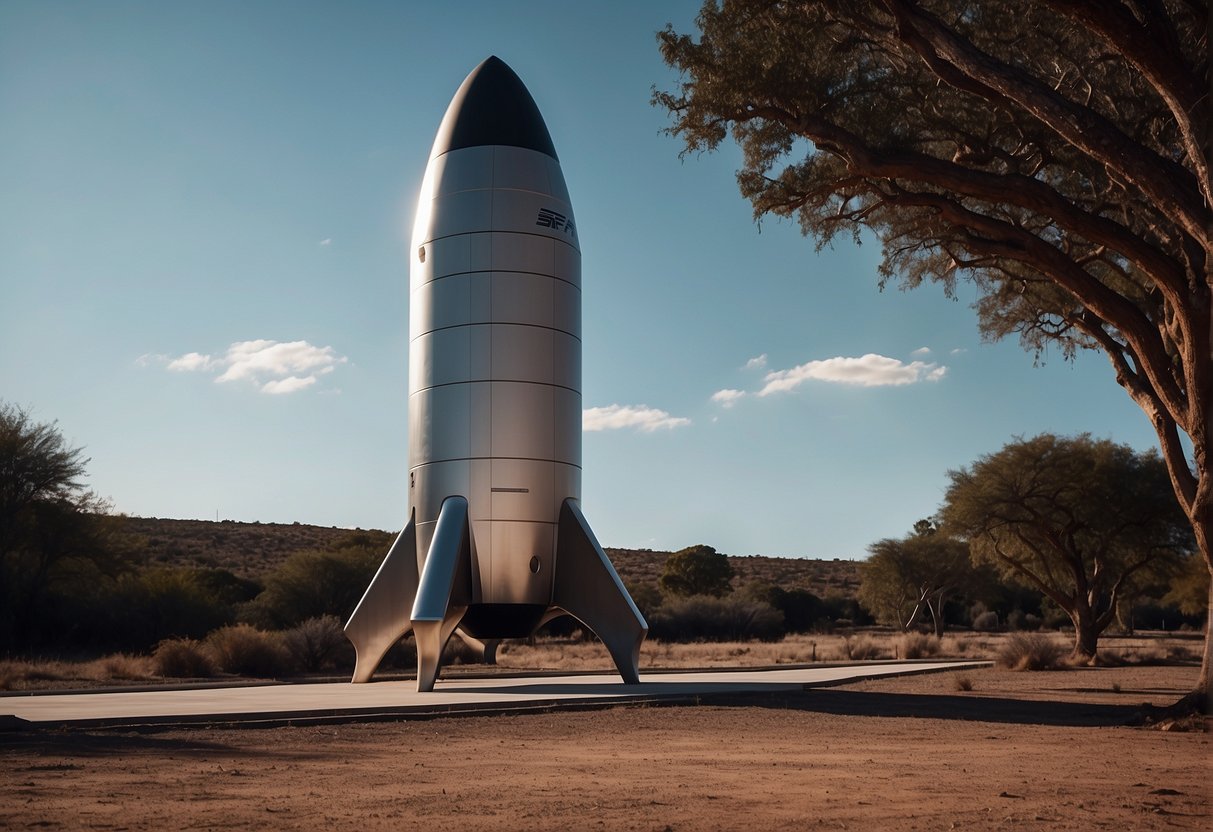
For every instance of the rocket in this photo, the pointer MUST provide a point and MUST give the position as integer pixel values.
(496, 543)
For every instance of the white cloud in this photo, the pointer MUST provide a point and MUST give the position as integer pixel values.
(274, 367)
(870, 370)
(190, 362)
(922, 351)
(959, 351)
(257, 359)
(756, 363)
(727, 397)
(327, 241)
(150, 358)
(287, 385)
(619, 416)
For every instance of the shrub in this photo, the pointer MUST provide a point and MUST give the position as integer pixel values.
(182, 658)
(963, 683)
(316, 643)
(314, 584)
(705, 618)
(119, 666)
(860, 648)
(247, 651)
(1030, 651)
(986, 622)
(919, 646)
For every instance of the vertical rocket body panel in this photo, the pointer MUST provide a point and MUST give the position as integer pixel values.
(495, 361)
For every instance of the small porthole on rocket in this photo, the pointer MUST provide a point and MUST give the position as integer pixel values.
(535, 564)
(421, 254)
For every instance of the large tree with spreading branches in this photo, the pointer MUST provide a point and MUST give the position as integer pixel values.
(1080, 519)
(1053, 153)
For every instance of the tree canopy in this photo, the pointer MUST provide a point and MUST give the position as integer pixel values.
(1077, 518)
(1054, 154)
(697, 570)
(49, 523)
(902, 576)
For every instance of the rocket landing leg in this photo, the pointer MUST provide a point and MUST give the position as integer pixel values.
(588, 588)
(382, 616)
(444, 592)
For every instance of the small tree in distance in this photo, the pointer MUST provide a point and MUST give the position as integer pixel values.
(1076, 518)
(697, 570)
(903, 577)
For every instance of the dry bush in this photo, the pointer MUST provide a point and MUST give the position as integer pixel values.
(1030, 651)
(183, 658)
(919, 646)
(119, 666)
(247, 651)
(986, 622)
(38, 671)
(316, 644)
(962, 682)
(861, 648)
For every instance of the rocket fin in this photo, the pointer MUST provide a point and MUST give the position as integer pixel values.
(445, 589)
(587, 587)
(382, 616)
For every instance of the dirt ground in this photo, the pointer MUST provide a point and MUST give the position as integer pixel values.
(1044, 751)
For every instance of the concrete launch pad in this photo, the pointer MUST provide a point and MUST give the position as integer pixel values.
(344, 702)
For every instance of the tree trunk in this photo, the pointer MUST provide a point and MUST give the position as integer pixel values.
(936, 608)
(1200, 700)
(1086, 639)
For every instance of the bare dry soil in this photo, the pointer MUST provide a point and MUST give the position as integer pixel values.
(1047, 751)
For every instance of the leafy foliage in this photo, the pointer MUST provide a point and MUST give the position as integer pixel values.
(902, 577)
(51, 528)
(697, 570)
(711, 618)
(1076, 518)
(315, 584)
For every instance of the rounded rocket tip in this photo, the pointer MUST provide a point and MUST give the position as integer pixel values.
(493, 106)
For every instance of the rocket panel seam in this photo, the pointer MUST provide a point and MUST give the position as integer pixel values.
(485, 458)
(496, 323)
(495, 380)
(551, 237)
(497, 271)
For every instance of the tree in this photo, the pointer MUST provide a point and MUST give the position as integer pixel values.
(1077, 518)
(312, 584)
(47, 521)
(1053, 153)
(697, 570)
(901, 577)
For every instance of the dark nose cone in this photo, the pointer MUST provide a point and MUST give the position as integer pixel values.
(493, 106)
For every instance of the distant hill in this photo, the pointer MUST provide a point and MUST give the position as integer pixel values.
(252, 550)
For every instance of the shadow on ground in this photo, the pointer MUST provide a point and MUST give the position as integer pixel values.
(935, 706)
(98, 744)
(869, 704)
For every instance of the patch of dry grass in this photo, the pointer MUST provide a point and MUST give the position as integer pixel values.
(20, 674)
(1031, 651)
(575, 654)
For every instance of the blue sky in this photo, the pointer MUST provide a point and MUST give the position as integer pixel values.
(204, 221)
